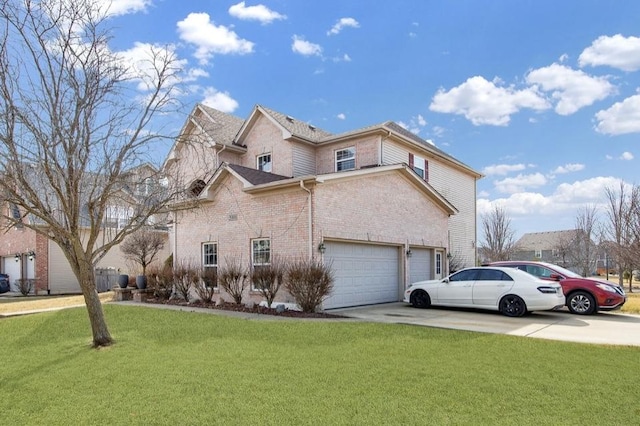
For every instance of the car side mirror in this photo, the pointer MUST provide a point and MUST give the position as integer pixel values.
(445, 280)
(555, 277)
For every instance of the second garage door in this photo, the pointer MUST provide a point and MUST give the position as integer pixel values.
(365, 274)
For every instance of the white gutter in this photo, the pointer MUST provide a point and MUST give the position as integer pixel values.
(310, 219)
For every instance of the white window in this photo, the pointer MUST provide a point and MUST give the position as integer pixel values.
(264, 162)
(260, 254)
(438, 264)
(419, 165)
(345, 159)
(210, 259)
(538, 254)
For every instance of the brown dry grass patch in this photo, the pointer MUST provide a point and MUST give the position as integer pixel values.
(17, 304)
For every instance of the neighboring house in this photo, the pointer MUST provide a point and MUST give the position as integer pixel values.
(26, 254)
(564, 248)
(380, 204)
(544, 246)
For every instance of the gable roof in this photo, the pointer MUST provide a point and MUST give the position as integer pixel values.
(545, 240)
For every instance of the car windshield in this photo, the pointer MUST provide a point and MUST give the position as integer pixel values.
(563, 271)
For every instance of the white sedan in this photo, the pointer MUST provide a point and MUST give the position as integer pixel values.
(511, 291)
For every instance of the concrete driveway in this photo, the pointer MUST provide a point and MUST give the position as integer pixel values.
(603, 328)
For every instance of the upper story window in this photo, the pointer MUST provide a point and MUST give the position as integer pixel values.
(264, 162)
(419, 165)
(345, 159)
(538, 254)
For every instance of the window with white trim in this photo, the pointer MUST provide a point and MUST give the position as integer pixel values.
(420, 166)
(345, 159)
(263, 162)
(538, 254)
(210, 257)
(260, 254)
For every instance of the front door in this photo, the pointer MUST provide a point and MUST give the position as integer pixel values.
(438, 265)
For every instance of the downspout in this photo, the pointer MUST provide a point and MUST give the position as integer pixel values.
(310, 214)
(224, 146)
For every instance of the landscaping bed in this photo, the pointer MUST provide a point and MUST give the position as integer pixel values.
(255, 309)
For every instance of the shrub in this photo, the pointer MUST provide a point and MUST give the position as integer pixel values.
(160, 281)
(267, 279)
(185, 276)
(25, 285)
(233, 277)
(309, 282)
(206, 287)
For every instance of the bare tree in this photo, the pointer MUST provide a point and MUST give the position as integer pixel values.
(498, 243)
(582, 251)
(143, 246)
(619, 211)
(71, 129)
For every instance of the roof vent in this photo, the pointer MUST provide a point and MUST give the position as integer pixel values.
(289, 118)
(312, 127)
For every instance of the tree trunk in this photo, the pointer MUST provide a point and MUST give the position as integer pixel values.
(101, 336)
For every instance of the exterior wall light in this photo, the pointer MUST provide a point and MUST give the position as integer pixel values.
(32, 255)
(322, 248)
(18, 257)
(409, 253)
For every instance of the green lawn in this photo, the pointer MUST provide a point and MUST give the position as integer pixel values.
(174, 368)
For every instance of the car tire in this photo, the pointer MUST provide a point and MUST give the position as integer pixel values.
(581, 303)
(420, 299)
(512, 306)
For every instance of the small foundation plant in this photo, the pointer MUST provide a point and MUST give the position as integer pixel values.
(233, 278)
(309, 282)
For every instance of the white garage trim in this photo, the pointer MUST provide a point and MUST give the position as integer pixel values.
(365, 274)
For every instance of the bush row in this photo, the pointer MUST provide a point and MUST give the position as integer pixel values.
(308, 281)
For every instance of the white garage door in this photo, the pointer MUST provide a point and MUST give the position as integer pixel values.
(12, 268)
(61, 277)
(365, 274)
(420, 265)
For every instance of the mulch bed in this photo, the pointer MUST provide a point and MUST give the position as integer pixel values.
(256, 309)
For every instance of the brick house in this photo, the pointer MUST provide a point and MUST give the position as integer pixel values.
(382, 205)
(26, 254)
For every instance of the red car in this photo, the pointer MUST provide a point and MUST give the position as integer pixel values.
(584, 296)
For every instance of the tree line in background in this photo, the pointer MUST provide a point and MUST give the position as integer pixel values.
(610, 231)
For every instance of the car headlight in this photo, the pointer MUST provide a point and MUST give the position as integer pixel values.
(606, 287)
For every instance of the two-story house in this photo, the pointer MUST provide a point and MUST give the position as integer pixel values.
(381, 205)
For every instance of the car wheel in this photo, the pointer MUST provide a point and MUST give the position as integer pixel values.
(420, 299)
(581, 303)
(512, 306)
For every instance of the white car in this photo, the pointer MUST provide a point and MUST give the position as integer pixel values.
(511, 291)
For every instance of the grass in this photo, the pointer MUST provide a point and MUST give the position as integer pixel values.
(173, 367)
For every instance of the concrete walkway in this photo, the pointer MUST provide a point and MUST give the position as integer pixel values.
(602, 328)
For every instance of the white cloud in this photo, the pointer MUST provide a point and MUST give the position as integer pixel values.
(341, 116)
(520, 183)
(568, 168)
(305, 48)
(589, 190)
(258, 12)
(123, 7)
(210, 39)
(341, 24)
(143, 60)
(415, 125)
(626, 156)
(485, 102)
(621, 118)
(615, 51)
(219, 100)
(502, 169)
(572, 89)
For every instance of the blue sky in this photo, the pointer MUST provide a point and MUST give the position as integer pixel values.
(542, 97)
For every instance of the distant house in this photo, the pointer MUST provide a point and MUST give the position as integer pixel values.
(565, 248)
(383, 206)
(547, 246)
(28, 255)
